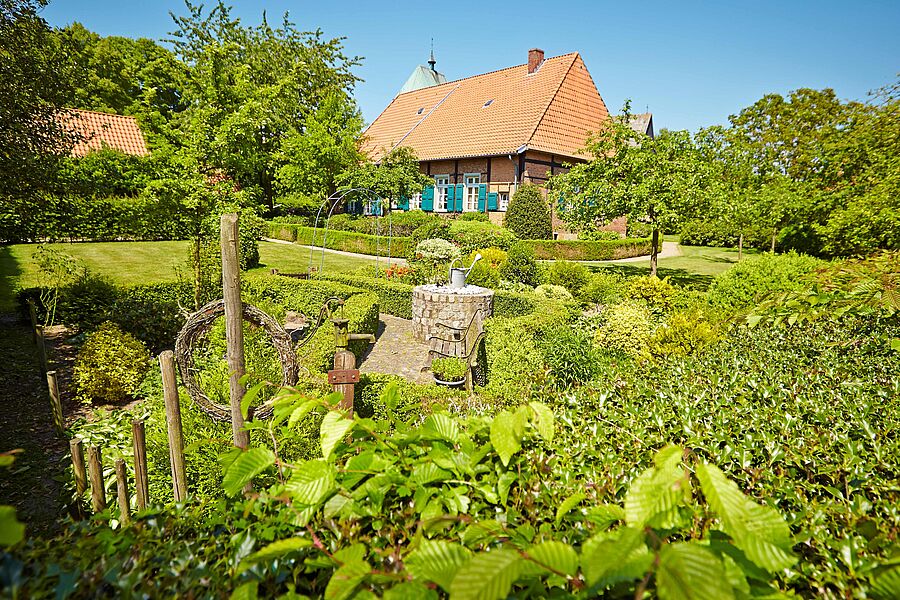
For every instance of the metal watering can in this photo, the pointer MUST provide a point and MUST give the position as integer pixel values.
(458, 275)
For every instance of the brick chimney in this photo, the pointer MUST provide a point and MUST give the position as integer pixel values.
(535, 58)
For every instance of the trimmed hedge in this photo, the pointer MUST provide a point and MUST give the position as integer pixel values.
(346, 241)
(393, 298)
(590, 250)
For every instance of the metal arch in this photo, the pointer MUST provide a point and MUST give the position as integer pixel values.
(335, 200)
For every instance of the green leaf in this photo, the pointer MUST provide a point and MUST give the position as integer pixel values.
(250, 397)
(488, 576)
(11, 530)
(894, 344)
(334, 427)
(611, 558)
(504, 437)
(437, 561)
(557, 557)
(301, 411)
(604, 515)
(886, 584)
(758, 530)
(690, 572)
(653, 497)
(390, 396)
(442, 426)
(568, 504)
(411, 590)
(543, 420)
(346, 579)
(246, 591)
(245, 467)
(311, 482)
(274, 550)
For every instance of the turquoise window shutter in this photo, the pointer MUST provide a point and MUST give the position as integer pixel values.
(451, 198)
(460, 194)
(492, 201)
(403, 204)
(482, 196)
(428, 198)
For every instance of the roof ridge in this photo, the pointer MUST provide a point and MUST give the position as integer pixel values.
(486, 73)
(99, 112)
(552, 98)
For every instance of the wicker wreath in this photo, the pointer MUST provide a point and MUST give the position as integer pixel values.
(196, 328)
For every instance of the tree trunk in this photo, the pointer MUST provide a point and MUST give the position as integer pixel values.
(774, 235)
(740, 246)
(654, 250)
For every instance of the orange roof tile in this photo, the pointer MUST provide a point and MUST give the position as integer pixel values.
(99, 130)
(553, 110)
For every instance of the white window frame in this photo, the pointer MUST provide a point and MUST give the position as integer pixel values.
(441, 183)
(472, 183)
(415, 202)
(502, 201)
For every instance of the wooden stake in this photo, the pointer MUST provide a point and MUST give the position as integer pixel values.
(42, 348)
(173, 424)
(77, 452)
(55, 403)
(98, 493)
(345, 362)
(122, 492)
(234, 324)
(32, 315)
(141, 484)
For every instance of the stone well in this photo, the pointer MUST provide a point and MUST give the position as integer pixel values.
(432, 304)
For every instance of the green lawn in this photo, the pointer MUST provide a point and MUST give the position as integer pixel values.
(147, 262)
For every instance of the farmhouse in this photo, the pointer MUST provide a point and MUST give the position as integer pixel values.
(98, 130)
(480, 137)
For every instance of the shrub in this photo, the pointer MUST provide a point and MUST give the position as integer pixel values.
(682, 335)
(568, 356)
(110, 366)
(598, 235)
(449, 369)
(752, 279)
(584, 250)
(716, 233)
(394, 298)
(520, 265)
(637, 229)
(471, 235)
(474, 216)
(658, 294)
(528, 215)
(626, 328)
(553, 292)
(436, 251)
(508, 303)
(569, 275)
(438, 228)
(604, 287)
(486, 272)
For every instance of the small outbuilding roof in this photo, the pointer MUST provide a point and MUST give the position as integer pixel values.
(642, 123)
(99, 130)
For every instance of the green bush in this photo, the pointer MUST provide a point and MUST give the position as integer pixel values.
(528, 215)
(658, 294)
(474, 216)
(583, 250)
(438, 228)
(393, 298)
(553, 292)
(626, 328)
(520, 265)
(110, 365)
(569, 356)
(683, 334)
(513, 304)
(472, 235)
(569, 275)
(346, 241)
(603, 287)
(449, 369)
(598, 235)
(486, 271)
(716, 233)
(752, 279)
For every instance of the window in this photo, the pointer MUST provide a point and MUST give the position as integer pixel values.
(441, 183)
(488, 103)
(415, 202)
(472, 182)
(420, 111)
(502, 200)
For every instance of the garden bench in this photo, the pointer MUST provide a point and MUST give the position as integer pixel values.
(459, 342)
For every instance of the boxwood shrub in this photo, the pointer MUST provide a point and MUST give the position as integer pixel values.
(393, 298)
(590, 250)
(346, 241)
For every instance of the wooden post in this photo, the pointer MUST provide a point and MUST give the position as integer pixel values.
(122, 492)
(32, 315)
(234, 323)
(55, 403)
(173, 424)
(98, 493)
(42, 348)
(75, 448)
(344, 364)
(141, 484)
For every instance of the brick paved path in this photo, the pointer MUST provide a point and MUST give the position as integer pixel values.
(397, 351)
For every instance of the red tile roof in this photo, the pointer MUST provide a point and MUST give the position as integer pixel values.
(552, 110)
(99, 130)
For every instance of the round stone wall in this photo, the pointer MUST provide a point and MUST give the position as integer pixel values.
(432, 304)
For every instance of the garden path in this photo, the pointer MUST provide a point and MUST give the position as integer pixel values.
(396, 351)
(669, 250)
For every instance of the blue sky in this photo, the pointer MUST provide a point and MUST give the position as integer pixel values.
(691, 63)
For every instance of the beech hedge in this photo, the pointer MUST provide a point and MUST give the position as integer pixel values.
(346, 241)
(590, 250)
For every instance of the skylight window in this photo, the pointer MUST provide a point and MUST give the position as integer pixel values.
(488, 103)
(420, 111)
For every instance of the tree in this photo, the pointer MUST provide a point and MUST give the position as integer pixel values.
(395, 176)
(528, 215)
(656, 180)
(251, 89)
(34, 86)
